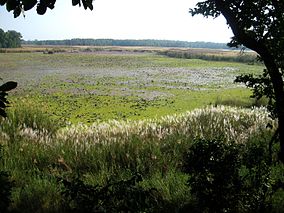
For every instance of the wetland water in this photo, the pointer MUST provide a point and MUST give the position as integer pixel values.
(81, 87)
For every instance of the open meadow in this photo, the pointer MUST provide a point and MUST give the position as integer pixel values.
(116, 129)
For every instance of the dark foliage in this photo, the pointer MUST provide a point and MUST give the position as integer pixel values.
(262, 87)
(10, 39)
(230, 177)
(5, 190)
(259, 26)
(213, 167)
(18, 6)
(257, 184)
(4, 88)
(122, 196)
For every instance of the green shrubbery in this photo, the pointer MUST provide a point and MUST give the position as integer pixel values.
(181, 164)
(118, 196)
(231, 177)
(5, 188)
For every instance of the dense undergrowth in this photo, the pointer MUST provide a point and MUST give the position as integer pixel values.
(215, 159)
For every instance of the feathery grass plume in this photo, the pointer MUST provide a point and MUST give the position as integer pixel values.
(230, 123)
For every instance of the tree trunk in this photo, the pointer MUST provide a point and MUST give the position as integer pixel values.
(264, 52)
(278, 87)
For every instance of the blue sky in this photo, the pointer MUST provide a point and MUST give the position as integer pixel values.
(119, 19)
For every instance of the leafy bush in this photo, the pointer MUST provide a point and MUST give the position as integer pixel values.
(5, 190)
(257, 179)
(230, 177)
(213, 167)
(122, 196)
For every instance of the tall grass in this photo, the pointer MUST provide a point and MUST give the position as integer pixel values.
(37, 151)
(249, 58)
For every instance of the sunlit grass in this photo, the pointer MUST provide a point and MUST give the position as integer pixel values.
(104, 116)
(36, 153)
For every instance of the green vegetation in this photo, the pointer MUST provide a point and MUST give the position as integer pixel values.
(211, 55)
(260, 29)
(10, 39)
(88, 128)
(39, 156)
(87, 86)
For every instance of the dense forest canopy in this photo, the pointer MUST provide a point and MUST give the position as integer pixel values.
(129, 42)
(10, 39)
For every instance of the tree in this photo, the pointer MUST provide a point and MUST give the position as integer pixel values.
(2, 38)
(13, 39)
(19, 6)
(259, 26)
(10, 39)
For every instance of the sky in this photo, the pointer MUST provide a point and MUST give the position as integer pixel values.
(119, 19)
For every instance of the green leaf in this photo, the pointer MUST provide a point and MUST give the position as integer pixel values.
(11, 5)
(85, 4)
(75, 2)
(2, 2)
(29, 4)
(50, 4)
(41, 9)
(8, 86)
(17, 12)
(88, 4)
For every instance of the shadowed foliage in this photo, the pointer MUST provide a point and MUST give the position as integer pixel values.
(10, 39)
(5, 188)
(231, 177)
(19, 7)
(258, 25)
(122, 196)
(4, 88)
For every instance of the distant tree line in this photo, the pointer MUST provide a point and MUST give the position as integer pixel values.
(129, 42)
(10, 39)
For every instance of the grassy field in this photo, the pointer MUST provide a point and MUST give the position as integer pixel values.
(120, 83)
(105, 115)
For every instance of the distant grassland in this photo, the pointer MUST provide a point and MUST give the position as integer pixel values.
(86, 84)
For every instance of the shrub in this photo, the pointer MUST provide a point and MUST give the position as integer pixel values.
(230, 177)
(256, 177)
(213, 167)
(5, 189)
(122, 196)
